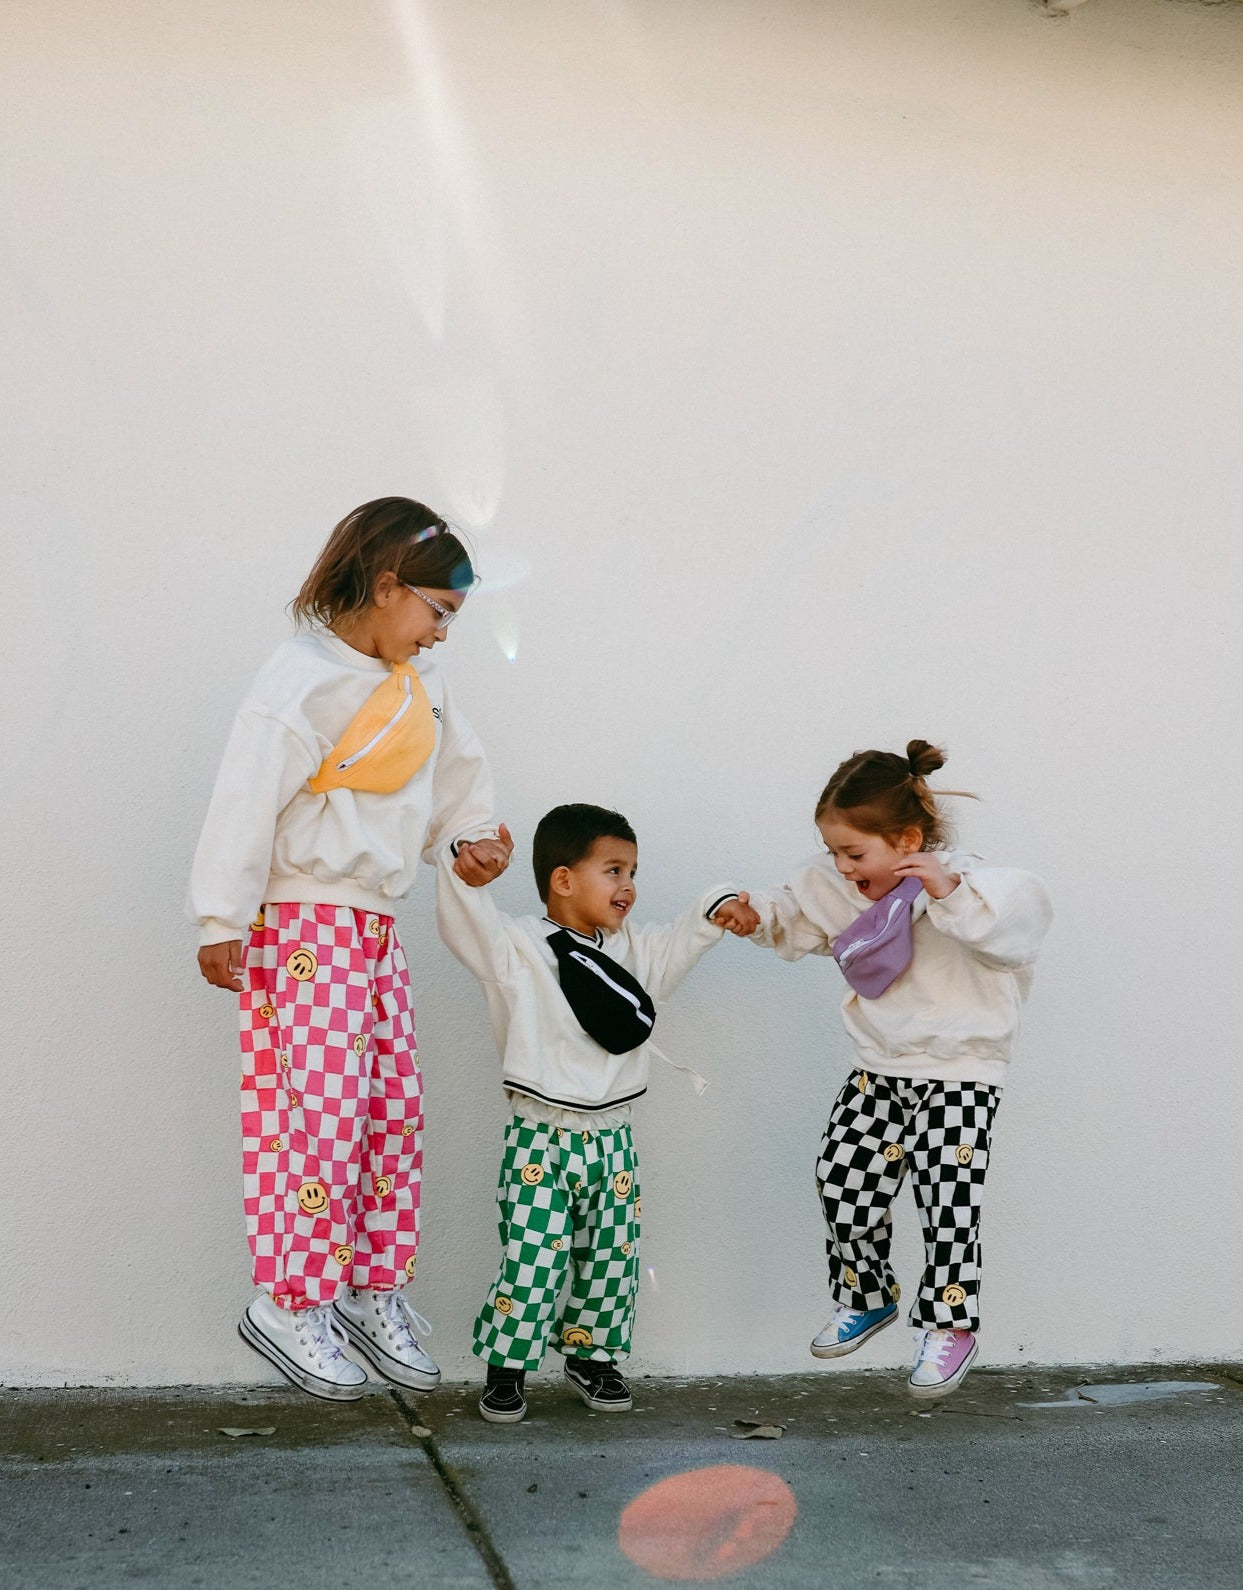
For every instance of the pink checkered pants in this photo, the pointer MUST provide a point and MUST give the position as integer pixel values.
(332, 1104)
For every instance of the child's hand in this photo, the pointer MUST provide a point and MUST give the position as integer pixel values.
(926, 866)
(738, 917)
(221, 963)
(482, 860)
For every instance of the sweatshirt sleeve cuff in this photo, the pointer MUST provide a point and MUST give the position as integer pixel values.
(213, 931)
(491, 832)
(717, 899)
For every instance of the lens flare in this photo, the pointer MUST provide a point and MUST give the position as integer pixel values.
(707, 1523)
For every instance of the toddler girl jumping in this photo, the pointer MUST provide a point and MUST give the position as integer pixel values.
(938, 953)
(347, 761)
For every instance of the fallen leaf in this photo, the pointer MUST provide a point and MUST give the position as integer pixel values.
(420, 1430)
(235, 1430)
(753, 1430)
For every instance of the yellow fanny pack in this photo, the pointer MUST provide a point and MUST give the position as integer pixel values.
(387, 741)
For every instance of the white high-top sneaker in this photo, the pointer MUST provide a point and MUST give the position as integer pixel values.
(305, 1345)
(386, 1329)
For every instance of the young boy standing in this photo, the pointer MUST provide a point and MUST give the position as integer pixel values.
(572, 997)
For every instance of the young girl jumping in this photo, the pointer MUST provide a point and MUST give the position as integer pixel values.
(938, 952)
(347, 761)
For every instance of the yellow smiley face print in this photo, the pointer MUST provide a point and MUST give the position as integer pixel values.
(301, 965)
(964, 1153)
(895, 1292)
(638, 1207)
(410, 1268)
(850, 1278)
(408, 1129)
(953, 1295)
(312, 1197)
(343, 1254)
(626, 1248)
(862, 1083)
(576, 1336)
(267, 1011)
(373, 928)
(894, 1152)
(276, 1145)
(383, 1186)
(557, 1244)
(260, 922)
(294, 1101)
(532, 1174)
(360, 1044)
(504, 1305)
(622, 1183)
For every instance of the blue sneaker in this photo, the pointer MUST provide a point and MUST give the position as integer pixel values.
(850, 1328)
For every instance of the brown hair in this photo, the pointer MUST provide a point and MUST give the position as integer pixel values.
(390, 533)
(880, 792)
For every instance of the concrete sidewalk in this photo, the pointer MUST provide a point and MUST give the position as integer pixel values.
(1128, 1492)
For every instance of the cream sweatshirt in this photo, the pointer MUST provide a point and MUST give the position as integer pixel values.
(953, 1015)
(546, 1055)
(268, 837)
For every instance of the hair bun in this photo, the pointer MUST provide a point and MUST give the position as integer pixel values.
(923, 758)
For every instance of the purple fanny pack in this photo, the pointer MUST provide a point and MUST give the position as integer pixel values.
(876, 948)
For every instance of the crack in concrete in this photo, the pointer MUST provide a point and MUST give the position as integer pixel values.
(473, 1524)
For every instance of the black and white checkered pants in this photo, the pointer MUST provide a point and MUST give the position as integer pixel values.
(878, 1128)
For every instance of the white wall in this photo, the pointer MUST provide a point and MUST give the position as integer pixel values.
(840, 372)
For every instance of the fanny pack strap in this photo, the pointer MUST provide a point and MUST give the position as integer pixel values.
(701, 1084)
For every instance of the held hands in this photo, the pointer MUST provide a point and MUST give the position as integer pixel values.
(738, 917)
(925, 866)
(481, 860)
(221, 963)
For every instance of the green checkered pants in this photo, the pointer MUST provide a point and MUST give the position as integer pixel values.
(565, 1198)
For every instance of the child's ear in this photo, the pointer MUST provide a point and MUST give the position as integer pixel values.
(559, 882)
(910, 840)
(385, 588)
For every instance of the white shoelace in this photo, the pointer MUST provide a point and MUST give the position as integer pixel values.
(402, 1319)
(327, 1337)
(934, 1348)
(844, 1316)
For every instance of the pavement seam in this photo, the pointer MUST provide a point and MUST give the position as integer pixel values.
(456, 1492)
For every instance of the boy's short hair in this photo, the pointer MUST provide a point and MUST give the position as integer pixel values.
(565, 835)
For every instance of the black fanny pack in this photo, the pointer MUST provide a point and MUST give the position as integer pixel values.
(610, 1006)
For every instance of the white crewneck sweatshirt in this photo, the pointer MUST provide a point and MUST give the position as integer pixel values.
(953, 1014)
(269, 837)
(546, 1055)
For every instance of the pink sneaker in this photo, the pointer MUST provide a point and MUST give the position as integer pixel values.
(942, 1359)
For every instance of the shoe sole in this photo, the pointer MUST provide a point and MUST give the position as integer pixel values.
(391, 1368)
(316, 1385)
(842, 1348)
(929, 1393)
(502, 1418)
(600, 1407)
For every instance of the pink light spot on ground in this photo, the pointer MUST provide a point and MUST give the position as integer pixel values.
(707, 1523)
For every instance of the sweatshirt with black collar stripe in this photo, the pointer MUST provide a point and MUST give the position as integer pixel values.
(546, 1055)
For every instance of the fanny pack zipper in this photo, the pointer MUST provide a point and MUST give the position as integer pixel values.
(617, 988)
(851, 950)
(379, 735)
